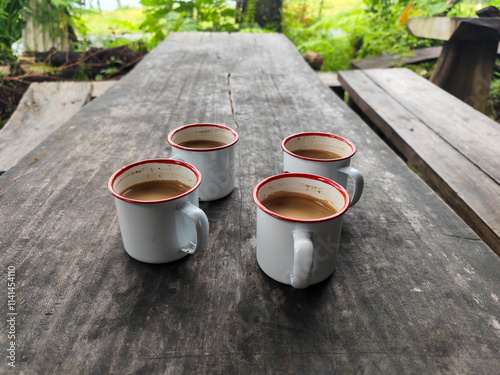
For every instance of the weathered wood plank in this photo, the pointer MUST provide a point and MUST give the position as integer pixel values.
(447, 28)
(433, 28)
(44, 107)
(465, 70)
(398, 59)
(465, 65)
(331, 80)
(100, 87)
(402, 58)
(466, 130)
(453, 146)
(415, 290)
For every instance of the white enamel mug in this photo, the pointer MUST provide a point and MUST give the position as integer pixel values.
(160, 231)
(294, 251)
(334, 169)
(217, 164)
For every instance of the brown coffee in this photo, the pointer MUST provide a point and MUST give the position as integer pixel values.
(316, 154)
(202, 143)
(155, 190)
(298, 206)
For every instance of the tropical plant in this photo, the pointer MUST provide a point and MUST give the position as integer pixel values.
(164, 16)
(361, 33)
(59, 17)
(260, 14)
(308, 33)
(11, 26)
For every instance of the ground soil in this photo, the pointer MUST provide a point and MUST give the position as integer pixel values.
(96, 63)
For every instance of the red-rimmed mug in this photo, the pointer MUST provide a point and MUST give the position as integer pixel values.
(294, 251)
(336, 168)
(214, 155)
(162, 230)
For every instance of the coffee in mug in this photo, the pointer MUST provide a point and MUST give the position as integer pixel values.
(316, 154)
(158, 209)
(323, 154)
(299, 222)
(202, 143)
(298, 206)
(211, 149)
(155, 190)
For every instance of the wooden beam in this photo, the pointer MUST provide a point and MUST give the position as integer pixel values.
(466, 63)
(446, 28)
(452, 146)
(433, 28)
(398, 59)
(43, 109)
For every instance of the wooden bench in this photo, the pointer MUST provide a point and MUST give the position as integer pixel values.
(467, 61)
(453, 146)
(44, 107)
(398, 59)
(332, 81)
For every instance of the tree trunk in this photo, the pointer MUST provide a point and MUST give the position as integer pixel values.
(267, 13)
(39, 37)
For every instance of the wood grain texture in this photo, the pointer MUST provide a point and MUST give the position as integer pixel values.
(448, 28)
(398, 59)
(331, 80)
(43, 108)
(465, 70)
(451, 144)
(415, 290)
(393, 60)
(433, 28)
(466, 64)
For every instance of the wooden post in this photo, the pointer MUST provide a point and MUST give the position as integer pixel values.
(41, 37)
(465, 70)
(467, 60)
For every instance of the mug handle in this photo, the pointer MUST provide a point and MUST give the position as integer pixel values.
(201, 222)
(302, 259)
(358, 182)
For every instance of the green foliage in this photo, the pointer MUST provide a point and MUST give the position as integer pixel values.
(114, 22)
(493, 105)
(309, 34)
(377, 27)
(374, 33)
(11, 26)
(249, 17)
(164, 16)
(56, 16)
(110, 29)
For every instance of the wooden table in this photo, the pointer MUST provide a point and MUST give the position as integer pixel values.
(415, 290)
(453, 147)
(467, 61)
